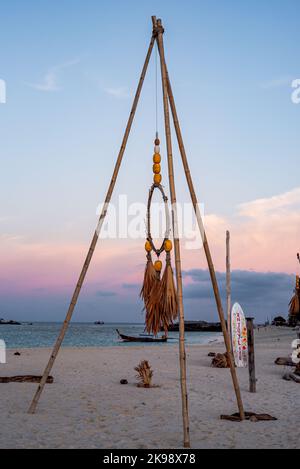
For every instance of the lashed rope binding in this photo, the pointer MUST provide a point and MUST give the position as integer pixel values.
(159, 293)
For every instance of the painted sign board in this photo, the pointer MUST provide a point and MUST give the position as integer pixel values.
(239, 336)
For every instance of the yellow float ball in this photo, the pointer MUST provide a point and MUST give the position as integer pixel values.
(157, 178)
(156, 168)
(158, 266)
(148, 246)
(168, 245)
(156, 158)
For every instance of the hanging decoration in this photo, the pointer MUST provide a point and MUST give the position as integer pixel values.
(158, 292)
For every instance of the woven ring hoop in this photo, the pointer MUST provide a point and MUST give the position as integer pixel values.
(167, 214)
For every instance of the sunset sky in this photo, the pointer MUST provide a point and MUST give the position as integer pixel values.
(71, 70)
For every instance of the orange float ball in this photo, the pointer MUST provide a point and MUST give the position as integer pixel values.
(157, 178)
(168, 245)
(148, 246)
(158, 266)
(156, 168)
(156, 158)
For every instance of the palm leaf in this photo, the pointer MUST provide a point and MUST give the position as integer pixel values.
(294, 305)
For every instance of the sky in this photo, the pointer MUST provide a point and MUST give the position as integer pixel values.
(71, 69)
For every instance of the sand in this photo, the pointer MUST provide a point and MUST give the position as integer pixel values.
(87, 407)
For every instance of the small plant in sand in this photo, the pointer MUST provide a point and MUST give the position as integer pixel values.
(144, 374)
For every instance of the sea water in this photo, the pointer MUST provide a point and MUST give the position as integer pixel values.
(43, 334)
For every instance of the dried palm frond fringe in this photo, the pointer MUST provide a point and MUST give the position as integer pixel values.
(149, 293)
(168, 297)
(294, 305)
(150, 278)
(162, 306)
(152, 308)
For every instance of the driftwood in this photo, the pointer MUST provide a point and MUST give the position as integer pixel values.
(293, 375)
(25, 379)
(220, 360)
(251, 355)
(284, 361)
(289, 376)
(248, 416)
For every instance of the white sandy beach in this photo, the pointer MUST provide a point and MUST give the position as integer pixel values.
(86, 407)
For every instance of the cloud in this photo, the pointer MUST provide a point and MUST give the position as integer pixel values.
(50, 80)
(129, 286)
(261, 294)
(119, 92)
(277, 83)
(105, 293)
(265, 206)
(264, 235)
(10, 237)
(264, 243)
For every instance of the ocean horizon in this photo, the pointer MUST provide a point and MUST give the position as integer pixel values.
(83, 334)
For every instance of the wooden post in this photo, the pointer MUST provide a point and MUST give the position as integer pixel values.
(158, 31)
(251, 355)
(95, 237)
(228, 284)
(206, 250)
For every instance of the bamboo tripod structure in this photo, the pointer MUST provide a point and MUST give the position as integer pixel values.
(158, 31)
(168, 99)
(206, 250)
(95, 237)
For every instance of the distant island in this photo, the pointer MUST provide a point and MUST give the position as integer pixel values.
(197, 326)
(9, 322)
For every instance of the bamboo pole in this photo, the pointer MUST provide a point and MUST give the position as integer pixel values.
(182, 354)
(96, 235)
(228, 284)
(206, 249)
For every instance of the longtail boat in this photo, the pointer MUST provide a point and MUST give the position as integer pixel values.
(128, 338)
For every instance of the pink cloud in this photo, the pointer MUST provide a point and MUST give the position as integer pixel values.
(264, 237)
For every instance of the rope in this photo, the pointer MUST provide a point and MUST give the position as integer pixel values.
(156, 91)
